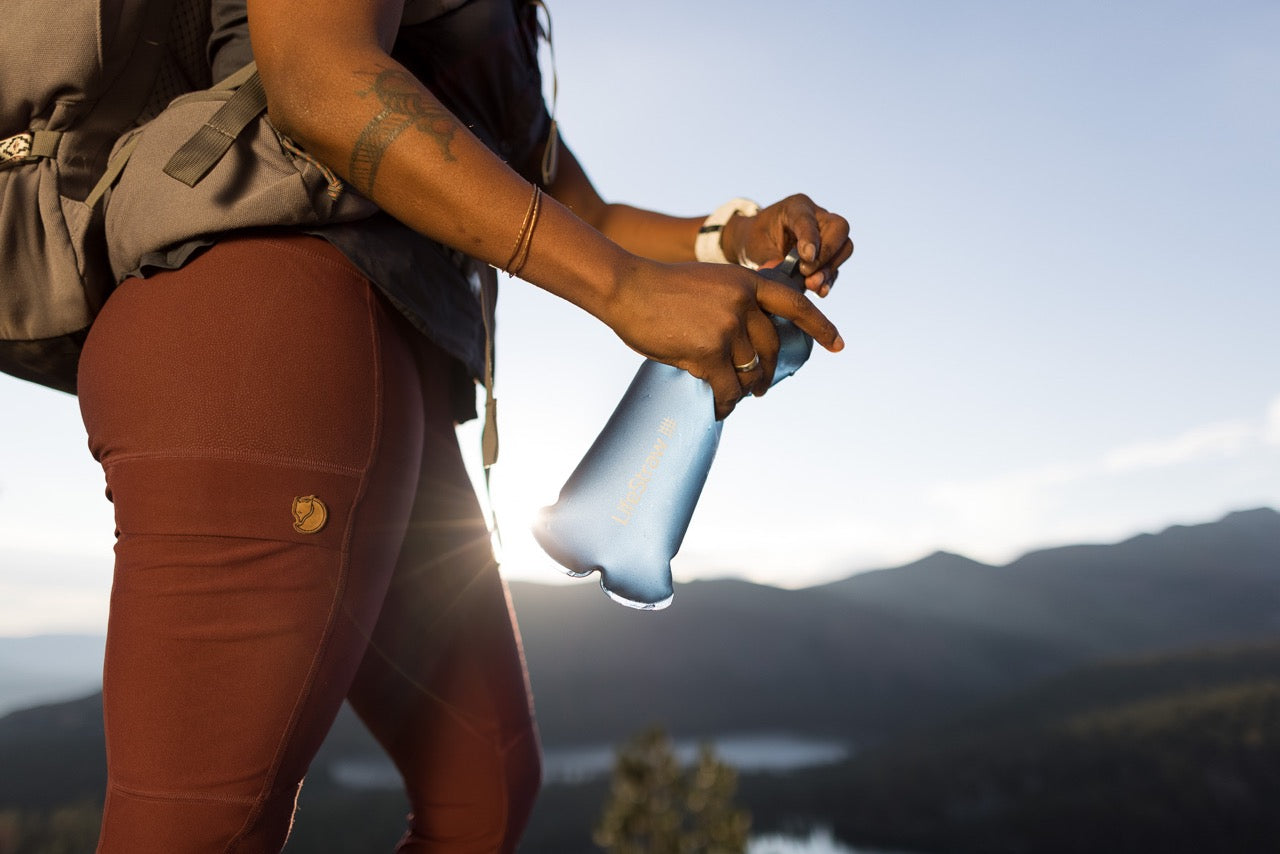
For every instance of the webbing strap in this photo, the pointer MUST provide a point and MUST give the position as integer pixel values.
(489, 434)
(236, 79)
(206, 147)
(44, 143)
(121, 158)
(114, 167)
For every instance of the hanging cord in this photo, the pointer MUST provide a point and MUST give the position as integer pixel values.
(519, 255)
(488, 281)
(550, 154)
(488, 290)
(488, 311)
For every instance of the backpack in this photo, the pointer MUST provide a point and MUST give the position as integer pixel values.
(88, 112)
(118, 156)
(62, 107)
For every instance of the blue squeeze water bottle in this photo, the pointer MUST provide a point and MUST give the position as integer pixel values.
(625, 509)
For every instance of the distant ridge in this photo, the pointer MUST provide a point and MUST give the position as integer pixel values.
(1185, 586)
(883, 651)
(48, 667)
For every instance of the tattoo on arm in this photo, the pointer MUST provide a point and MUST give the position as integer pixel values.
(403, 106)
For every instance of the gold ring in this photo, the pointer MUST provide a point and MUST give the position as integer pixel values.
(749, 366)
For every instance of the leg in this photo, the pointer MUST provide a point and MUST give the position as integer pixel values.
(443, 686)
(264, 372)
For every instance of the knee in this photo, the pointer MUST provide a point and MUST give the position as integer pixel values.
(161, 824)
(477, 805)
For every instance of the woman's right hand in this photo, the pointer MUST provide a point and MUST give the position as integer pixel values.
(709, 318)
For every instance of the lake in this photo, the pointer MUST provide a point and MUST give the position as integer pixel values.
(819, 841)
(747, 752)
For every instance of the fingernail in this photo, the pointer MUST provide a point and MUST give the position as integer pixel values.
(809, 251)
(826, 289)
(838, 345)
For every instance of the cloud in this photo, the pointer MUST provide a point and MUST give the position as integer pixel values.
(1011, 490)
(1271, 433)
(1222, 439)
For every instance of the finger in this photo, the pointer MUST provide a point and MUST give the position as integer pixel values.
(726, 389)
(831, 283)
(835, 234)
(777, 298)
(749, 381)
(745, 366)
(822, 280)
(800, 219)
(764, 337)
(747, 361)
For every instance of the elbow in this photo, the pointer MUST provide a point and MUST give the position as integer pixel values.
(298, 111)
(320, 105)
(287, 103)
(310, 66)
(304, 84)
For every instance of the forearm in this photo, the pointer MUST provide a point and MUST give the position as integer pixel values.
(388, 136)
(660, 236)
(643, 232)
(649, 233)
(332, 86)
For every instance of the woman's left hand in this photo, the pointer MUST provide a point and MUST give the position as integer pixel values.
(821, 236)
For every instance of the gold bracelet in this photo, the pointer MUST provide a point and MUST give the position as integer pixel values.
(520, 254)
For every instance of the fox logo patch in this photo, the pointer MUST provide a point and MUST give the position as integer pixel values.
(309, 514)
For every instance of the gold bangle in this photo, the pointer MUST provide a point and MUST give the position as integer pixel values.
(520, 254)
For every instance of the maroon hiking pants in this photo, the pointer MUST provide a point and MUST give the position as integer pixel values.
(295, 527)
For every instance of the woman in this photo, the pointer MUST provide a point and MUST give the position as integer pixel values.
(295, 525)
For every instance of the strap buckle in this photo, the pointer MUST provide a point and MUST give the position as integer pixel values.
(16, 149)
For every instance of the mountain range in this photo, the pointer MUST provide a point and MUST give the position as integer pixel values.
(1120, 697)
(888, 650)
(861, 658)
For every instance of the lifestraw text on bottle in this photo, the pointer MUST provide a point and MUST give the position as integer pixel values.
(639, 482)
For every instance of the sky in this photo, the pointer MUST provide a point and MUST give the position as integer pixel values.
(1060, 318)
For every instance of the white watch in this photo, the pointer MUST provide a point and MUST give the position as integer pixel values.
(706, 247)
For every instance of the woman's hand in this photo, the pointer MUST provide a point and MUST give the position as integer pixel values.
(333, 88)
(822, 238)
(709, 318)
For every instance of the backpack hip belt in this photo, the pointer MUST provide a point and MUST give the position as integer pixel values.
(22, 147)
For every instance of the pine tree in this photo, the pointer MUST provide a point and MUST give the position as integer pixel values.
(656, 807)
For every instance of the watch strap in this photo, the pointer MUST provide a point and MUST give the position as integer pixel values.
(706, 247)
